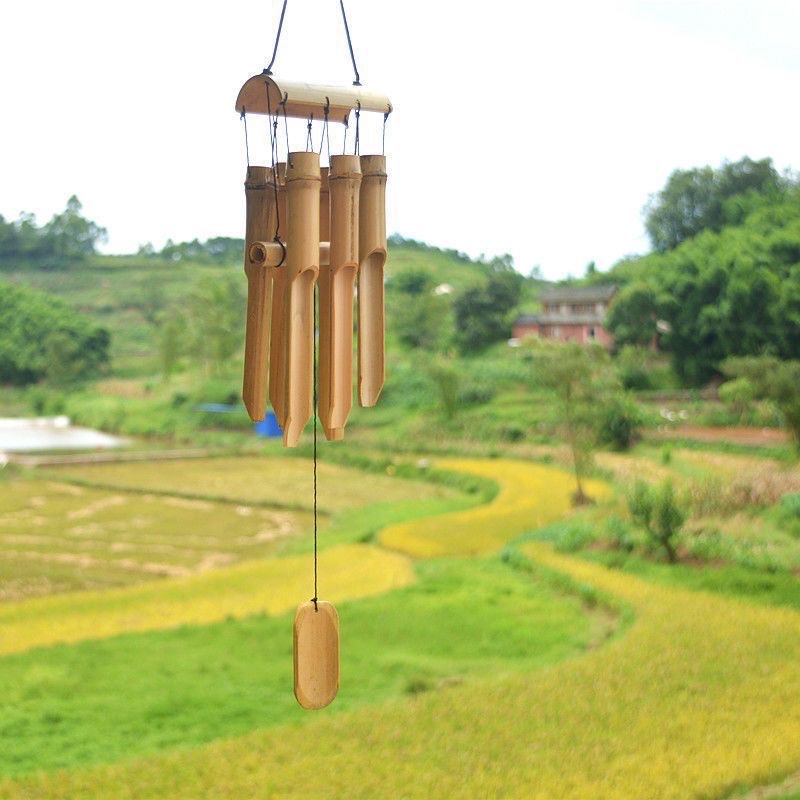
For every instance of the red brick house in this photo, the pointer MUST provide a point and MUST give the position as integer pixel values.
(570, 314)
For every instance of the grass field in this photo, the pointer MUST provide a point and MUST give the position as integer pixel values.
(56, 537)
(127, 695)
(468, 677)
(277, 482)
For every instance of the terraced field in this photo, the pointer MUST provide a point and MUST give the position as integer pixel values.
(478, 679)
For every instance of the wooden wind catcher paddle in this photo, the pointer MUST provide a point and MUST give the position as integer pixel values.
(313, 233)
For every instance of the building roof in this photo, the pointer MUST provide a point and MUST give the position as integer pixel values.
(577, 294)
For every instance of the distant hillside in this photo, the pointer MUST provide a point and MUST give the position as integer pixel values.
(129, 294)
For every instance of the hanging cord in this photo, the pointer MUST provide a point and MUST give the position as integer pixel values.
(273, 152)
(243, 117)
(357, 81)
(286, 128)
(383, 136)
(315, 598)
(357, 143)
(326, 134)
(268, 70)
(346, 122)
(309, 143)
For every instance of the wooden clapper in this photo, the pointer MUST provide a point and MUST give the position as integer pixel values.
(313, 229)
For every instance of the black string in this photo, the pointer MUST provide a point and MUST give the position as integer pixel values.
(309, 143)
(268, 70)
(326, 134)
(286, 128)
(346, 127)
(357, 81)
(273, 154)
(246, 143)
(357, 144)
(315, 598)
(383, 137)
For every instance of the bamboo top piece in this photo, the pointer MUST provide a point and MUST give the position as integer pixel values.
(306, 99)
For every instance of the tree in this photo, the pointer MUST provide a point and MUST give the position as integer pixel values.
(769, 378)
(41, 337)
(216, 318)
(70, 236)
(417, 315)
(695, 200)
(633, 315)
(660, 513)
(582, 381)
(482, 313)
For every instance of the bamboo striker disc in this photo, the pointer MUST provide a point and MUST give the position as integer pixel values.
(260, 225)
(277, 348)
(336, 286)
(302, 268)
(372, 257)
(316, 654)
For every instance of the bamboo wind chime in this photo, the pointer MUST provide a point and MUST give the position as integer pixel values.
(313, 233)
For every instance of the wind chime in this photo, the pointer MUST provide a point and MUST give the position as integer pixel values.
(313, 233)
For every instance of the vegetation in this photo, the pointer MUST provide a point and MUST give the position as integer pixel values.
(531, 496)
(704, 198)
(770, 379)
(41, 337)
(193, 684)
(144, 628)
(68, 238)
(659, 512)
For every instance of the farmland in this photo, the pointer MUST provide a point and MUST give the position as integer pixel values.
(634, 676)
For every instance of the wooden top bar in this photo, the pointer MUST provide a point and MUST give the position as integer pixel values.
(306, 99)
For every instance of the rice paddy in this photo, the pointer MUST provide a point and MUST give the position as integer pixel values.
(470, 677)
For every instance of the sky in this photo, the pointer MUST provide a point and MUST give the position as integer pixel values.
(537, 129)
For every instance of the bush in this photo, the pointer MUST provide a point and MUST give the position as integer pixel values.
(620, 534)
(620, 423)
(660, 513)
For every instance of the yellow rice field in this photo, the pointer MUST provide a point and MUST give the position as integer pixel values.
(700, 694)
(273, 586)
(531, 496)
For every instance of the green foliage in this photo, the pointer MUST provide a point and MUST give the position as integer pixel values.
(217, 250)
(41, 337)
(659, 512)
(445, 377)
(730, 293)
(703, 198)
(774, 380)
(582, 382)
(67, 238)
(416, 314)
(633, 314)
(216, 308)
(483, 313)
(196, 683)
(738, 396)
(620, 422)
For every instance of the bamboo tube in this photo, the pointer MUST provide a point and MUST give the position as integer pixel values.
(260, 215)
(336, 283)
(302, 268)
(372, 257)
(324, 205)
(277, 349)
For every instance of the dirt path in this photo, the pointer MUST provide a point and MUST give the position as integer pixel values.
(755, 437)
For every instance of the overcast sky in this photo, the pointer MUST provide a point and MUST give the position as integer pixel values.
(537, 129)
